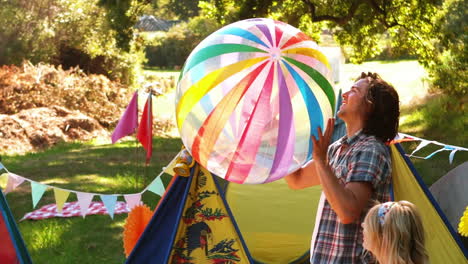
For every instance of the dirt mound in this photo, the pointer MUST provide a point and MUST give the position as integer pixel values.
(38, 128)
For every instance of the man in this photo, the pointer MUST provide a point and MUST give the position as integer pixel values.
(353, 171)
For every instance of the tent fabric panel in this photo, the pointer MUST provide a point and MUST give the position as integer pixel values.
(9, 230)
(7, 250)
(155, 243)
(276, 221)
(442, 243)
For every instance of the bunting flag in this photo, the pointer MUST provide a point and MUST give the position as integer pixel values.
(401, 137)
(128, 122)
(61, 197)
(84, 200)
(1, 166)
(37, 190)
(132, 200)
(13, 182)
(145, 130)
(109, 202)
(157, 186)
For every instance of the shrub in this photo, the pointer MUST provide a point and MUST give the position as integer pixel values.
(449, 73)
(72, 33)
(172, 49)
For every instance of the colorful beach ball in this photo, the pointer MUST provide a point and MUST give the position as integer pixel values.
(250, 96)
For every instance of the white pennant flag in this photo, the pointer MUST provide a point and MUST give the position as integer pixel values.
(420, 146)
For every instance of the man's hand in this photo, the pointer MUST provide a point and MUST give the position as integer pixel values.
(321, 144)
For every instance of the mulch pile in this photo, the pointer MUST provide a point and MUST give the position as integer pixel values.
(41, 105)
(38, 128)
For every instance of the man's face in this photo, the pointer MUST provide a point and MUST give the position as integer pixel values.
(355, 105)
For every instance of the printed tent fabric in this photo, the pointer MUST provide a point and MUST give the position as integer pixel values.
(249, 97)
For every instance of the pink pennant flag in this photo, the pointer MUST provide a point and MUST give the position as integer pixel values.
(13, 182)
(84, 200)
(132, 200)
(129, 120)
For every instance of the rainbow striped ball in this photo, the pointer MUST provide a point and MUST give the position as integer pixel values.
(250, 96)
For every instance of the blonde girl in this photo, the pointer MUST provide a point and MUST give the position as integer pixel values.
(394, 233)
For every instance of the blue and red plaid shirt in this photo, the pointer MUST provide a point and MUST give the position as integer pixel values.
(361, 158)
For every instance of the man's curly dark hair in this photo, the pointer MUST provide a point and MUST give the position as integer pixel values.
(383, 118)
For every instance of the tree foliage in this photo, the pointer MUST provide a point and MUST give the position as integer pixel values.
(173, 48)
(357, 25)
(449, 72)
(69, 33)
(184, 9)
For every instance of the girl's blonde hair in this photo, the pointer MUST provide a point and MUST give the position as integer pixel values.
(396, 233)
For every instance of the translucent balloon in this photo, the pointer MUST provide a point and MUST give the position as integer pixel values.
(249, 98)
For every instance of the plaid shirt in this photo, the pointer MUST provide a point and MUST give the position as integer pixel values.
(361, 158)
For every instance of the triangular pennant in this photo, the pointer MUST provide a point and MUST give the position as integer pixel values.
(13, 182)
(37, 190)
(452, 154)
(84, 200)
(129, 120)
(61, 197)
(132, 200)
(145, 129)
(420, 146)
(3, 180)
(435, 152)
(1, 166)
(157, 186)
(169, 169)
(109, 201)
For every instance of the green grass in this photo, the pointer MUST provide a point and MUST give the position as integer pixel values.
(103, 168)
(87, 167)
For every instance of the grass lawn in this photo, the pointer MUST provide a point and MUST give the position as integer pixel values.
(87, 167)
(103, 168)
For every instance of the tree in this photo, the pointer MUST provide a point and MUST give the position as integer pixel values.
(358, 25)
(185, 9)
(71, 33)
(449, 70)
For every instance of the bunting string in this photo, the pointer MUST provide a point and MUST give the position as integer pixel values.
(85, 198)
(424, 142)
(157, 186)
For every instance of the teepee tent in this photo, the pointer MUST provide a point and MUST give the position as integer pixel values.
(288, 217)
(192, 224)
(12, 249)
(442, 242)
